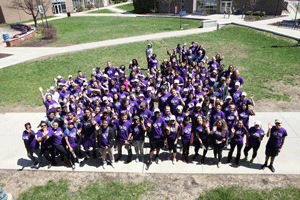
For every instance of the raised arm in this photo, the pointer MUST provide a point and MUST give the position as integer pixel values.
(42, 95)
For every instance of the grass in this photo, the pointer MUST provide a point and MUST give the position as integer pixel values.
(102, 11)
(237, 193)
(77, 30)
(95, 190)
(128, 7)
(31, 20)
(264, 59)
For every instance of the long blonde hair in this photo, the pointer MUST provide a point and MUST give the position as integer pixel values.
(176, 125)
(224, 126)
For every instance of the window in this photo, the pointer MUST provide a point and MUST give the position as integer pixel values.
(207, 6)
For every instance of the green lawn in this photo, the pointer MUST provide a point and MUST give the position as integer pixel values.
(77, 30)
(31, 20)
(102, 11)
(94, 190)
(128, 7)
(253, 52)
(241, 193)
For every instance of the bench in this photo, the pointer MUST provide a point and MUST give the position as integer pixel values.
(182, 13)
(289, 23)
(198, 12)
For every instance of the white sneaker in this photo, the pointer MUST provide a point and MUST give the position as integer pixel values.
(219, 164)
(113, 164)
(137, 160)
(49, 166)
(37, 166)
(104, 165)
(174, 161)
(73, 166)
(157, 160)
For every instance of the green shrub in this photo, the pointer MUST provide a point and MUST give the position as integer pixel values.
(263, 13)
(117, 1)
(89, 6)
(79, 7)
(257, 13)
(249, 13)
(145, 6)
(124, 0)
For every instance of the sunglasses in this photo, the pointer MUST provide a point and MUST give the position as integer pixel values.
(43, 125)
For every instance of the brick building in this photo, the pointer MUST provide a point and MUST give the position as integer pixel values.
(218, 6)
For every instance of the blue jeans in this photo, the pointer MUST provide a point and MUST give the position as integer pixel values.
(127, 146)
(37, 152)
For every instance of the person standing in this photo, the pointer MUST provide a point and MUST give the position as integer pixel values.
(149, 53)
(277, 136)
(31, 145)
(186, 138)
(105, 137)
(71, 135)
(172, 135)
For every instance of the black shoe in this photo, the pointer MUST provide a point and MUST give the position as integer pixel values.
(263, 166)
(87, 155)
(272, 168)
(94, 154)
(148, 164)
(228, 161)
(195, 156)
(118, 158)
(128, 160)
(237, 164)
(202, 161)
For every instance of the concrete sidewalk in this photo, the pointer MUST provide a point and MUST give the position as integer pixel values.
(13, 154)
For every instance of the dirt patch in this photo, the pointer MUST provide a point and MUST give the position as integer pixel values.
(18, 108)
(36, 42)
(172, 186)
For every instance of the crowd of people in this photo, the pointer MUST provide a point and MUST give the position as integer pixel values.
(185, 101)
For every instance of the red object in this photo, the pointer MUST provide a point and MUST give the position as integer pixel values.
(182, 130)
(99, 133)
(175, 9)
(192, 138)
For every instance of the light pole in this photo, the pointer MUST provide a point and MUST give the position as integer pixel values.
(181, 6)
(297, 7)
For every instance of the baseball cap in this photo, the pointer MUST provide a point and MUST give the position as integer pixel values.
(198, 105)
(70, 122)
(156, 110)
(278, 121)
(214, 71)
(176, 81)
(105, 111)
(116, 74)
(135, 80)
(228, 97)
(136, 117)
(59, 76)
(179, 107)
(104, 98)
(185, 90)
(105, 89)
(97, 67)
(70, 76)
(75, 85)
(223, 78)
(85, 83)
(59, 84)
(52, 88)
(244, 94)
(141, 75)
(141, 95)
(237, 83)
(257, 123)
(172, 117)
(149, 88)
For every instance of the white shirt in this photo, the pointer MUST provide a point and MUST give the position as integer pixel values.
(55, 96)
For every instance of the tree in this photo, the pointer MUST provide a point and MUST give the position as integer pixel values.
(30, 7)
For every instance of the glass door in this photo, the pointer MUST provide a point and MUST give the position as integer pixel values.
(225, 6)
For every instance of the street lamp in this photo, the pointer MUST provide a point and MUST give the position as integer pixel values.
(181, 6)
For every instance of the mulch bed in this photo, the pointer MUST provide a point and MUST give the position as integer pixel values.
(3, 55)
(35, 42)
(252, 18)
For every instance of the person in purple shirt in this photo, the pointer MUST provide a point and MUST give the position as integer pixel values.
(71, 135)
(122, 126)
(236, 93)
(162, 98)
(48, 102)
(244, 112)
(174, 100)
(277, 136)
(75, 90)
(216, 114)
(236, 78)
(213, 64)
(179, 78)
(153, 62)
(137, 135)
(59, 80)
(57, 142)
(202, 136)
(105, 137)
(109, 70)
(172, 134)
(190, 103)
(155, 129)
(186, 134)
(31, 145)
(43, 136)
(220, 134)
(180, 115)
(247, 101)
(144, 113)
(80, 79)
(230, 116)
(237, 134)
(254, 137)
(64, 95)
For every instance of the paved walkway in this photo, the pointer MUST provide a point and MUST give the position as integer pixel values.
(13, 154)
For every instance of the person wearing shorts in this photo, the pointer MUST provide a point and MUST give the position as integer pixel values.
(277, 136)
(155, 126)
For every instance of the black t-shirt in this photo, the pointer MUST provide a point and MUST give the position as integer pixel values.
(87, 128)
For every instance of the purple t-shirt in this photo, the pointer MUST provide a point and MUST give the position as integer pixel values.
(137, 131)
(230, 119)
(173, 133)
(216, 115)
(72, 136)
(236, 96)
(239, 134)
(147, 114)
(157, 127)
(276, 136)
(64, 95)
(180, 117)
(187, 129)
(254, 136)
(57, 136)
(218, 135)
(173, 102)
(50, 134)
(162, 101)
(122, 128)
(30, 141)
(202, 132)
(244, 115)
(79, 81)
(110, 71)
(247, 101)
(104, 140)
(234, 80)
(153, 62)
(50, 104)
